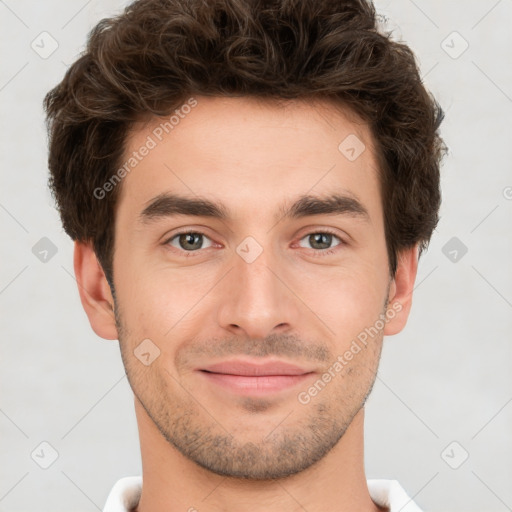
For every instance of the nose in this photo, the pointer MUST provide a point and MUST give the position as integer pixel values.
(257, 298)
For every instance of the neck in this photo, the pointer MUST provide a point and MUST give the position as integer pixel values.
(173, 482)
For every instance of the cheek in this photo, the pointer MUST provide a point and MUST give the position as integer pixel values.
(346, 300)
(159, 302)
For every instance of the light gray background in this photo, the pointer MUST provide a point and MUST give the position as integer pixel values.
(446, 377)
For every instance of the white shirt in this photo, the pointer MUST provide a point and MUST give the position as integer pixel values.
(125, 495)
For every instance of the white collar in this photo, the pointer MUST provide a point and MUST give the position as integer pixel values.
(125, 495)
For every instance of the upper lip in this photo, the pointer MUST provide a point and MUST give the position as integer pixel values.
(240, 367)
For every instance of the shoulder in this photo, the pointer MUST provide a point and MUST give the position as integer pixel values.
(125, 495)
(390, 494)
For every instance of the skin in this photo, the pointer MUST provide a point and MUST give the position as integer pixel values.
(204, 447)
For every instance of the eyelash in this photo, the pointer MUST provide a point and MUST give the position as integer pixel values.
(316, 252)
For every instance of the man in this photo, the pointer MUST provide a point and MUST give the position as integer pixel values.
(249, 186)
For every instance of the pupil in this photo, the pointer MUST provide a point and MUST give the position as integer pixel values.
(322, 239)
(188, 238)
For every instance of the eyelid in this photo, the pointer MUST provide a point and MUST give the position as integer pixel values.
(309, 230)
(202, 230)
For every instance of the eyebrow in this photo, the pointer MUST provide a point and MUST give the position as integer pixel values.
(167, 205)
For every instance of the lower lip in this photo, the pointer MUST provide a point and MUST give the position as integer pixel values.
(257, 385)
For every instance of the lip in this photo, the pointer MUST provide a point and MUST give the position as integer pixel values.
(255, 379)
(249, 368)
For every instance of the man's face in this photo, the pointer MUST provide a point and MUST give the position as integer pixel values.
(258, 285)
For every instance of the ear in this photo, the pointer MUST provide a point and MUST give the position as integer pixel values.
(400, 291)
(94, 290)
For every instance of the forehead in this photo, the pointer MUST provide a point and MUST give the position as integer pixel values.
(250, 154)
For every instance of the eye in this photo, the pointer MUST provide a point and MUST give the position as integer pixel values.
(189, 241)
(192, 241)
(321, 241)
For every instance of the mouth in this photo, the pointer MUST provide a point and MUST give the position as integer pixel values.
(250, 378)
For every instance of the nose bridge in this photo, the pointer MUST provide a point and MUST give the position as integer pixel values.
(256, 301)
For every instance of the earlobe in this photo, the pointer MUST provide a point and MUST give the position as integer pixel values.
(400, 291)
(94, 291)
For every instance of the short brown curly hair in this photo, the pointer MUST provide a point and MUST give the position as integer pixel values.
(158, 53)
